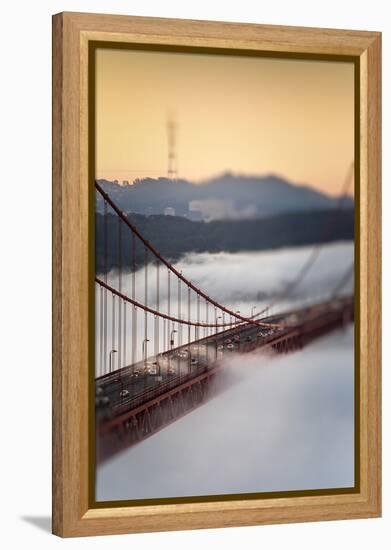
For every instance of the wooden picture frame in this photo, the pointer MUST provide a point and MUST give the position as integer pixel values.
(73, 511)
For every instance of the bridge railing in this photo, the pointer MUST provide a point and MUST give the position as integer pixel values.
(160, 389)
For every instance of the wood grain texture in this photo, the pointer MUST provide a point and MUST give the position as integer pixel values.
(71, 513)
(57, 462)
(373, 259)
(222, 34)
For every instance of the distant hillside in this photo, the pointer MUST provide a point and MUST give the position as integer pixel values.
(225, 197)
(174, 236)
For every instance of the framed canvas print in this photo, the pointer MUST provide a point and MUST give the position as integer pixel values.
(216, 274)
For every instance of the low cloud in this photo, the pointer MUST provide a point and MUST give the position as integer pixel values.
(241, 281)
(278, 424)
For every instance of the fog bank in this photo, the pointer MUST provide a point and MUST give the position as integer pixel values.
(282, 423)
(244, 281)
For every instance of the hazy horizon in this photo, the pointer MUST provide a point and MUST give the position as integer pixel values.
(224, 173)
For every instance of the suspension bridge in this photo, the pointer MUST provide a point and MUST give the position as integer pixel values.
(161, 340)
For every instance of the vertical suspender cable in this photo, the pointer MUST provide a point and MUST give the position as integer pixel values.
(198, 323)
(101, 365)
(179, 313)
(105, 267)
(134, 312)
(198, 316)
(112, 331)
(125, 310)
(120, 289)
(188, 314)
(157, 320)
(145, 299)
(168, 304)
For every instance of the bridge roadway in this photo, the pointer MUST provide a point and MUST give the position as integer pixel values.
(176, 365)
(183, 364)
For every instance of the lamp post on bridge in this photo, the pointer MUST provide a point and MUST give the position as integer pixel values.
(172, 338)
(111, 359)
(171, 345)
(144, 350)
(238, 312)
(217, 328)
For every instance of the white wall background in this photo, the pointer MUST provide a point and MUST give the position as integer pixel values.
(25, 252)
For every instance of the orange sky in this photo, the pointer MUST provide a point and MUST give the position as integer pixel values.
(246, 115)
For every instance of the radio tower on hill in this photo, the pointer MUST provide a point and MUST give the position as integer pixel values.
(172, 172)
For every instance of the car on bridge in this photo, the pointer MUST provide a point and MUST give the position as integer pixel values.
(266, 332)
(124, 393)
(150, 368)
(182, 354)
